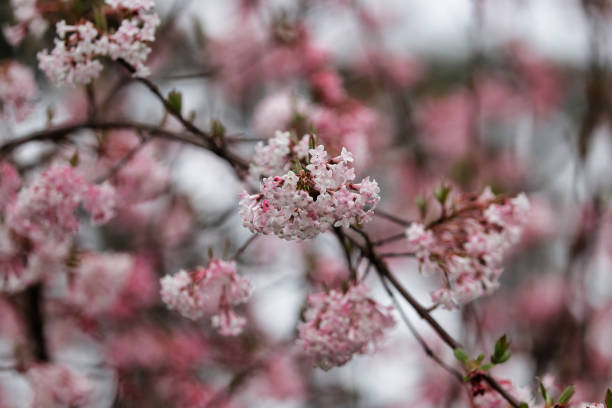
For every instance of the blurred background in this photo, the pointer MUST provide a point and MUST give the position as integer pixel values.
(511, 94)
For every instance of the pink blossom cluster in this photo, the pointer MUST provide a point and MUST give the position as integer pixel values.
(338, 325)
(98, 280)
(18, 90)
(75, 57)
(28, 19)
(9, 184)
(347, 122)
(45, 210)
(57, 386)
(315, 194)
(468, 245)
(212, 290)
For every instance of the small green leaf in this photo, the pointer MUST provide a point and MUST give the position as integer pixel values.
(501, 353)
(175, 101)
(566, 395)
(421, 204)
(523, 405)
(480, 358)
(312, 143)
(544, 393)
(74, 160)
(345, 286)
(100, 18)
(486, 366)
(461, 355)
(217, 129)
(441, 193)
(609, 398)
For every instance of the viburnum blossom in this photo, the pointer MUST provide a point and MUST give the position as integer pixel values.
(100, 201)
(314, 193)
(75, 58)
(98, 280)
(45, 210)
(28, 19)
(18, 90)
(14, 276)
(9, 184)
(212, 290)
(59, 386)
(468, 245)
(338, 325)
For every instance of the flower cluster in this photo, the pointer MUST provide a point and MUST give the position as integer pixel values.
(98, 281)
(468, 245)
(45, 210)
(75, 57)
(212, 290)
(18, 90)
(314, 193)
(338, 325)
(57, 385)
(28, 19)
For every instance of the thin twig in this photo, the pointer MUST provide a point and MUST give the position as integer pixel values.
(244, 246)
(416, 334)
(392, 218)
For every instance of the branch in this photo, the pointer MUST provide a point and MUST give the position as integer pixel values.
(385, 273)
(59, 133)
(35, 321)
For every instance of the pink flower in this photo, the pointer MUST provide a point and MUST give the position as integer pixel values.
(18, 91)
(98, 281)
(57, 386)
(44, 211)
(338, 325)
(301, 205)
(468, 247)
(9, 184)
(75, 58)
(212, 290)
(100, 202)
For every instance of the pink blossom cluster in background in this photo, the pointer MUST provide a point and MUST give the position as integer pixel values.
(284, 204)
(338, 325)
(78, 47)
(18, 91)
(212, 290)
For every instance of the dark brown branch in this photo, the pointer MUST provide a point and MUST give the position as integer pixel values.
(385, 273)
(61, 132)
(392, 218)
(416, 334)
(35, 321)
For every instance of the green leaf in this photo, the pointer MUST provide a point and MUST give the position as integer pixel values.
(175, 101)
(486, 366)
(441, 193)
(74, 160)
(100, 18)
(461, 355)
(501, 353)
(609, 398)
(523, 405)
(480, 358)
(544, 393)
(566, 395)
(217, 129)
(421, 204)
(312, 143)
